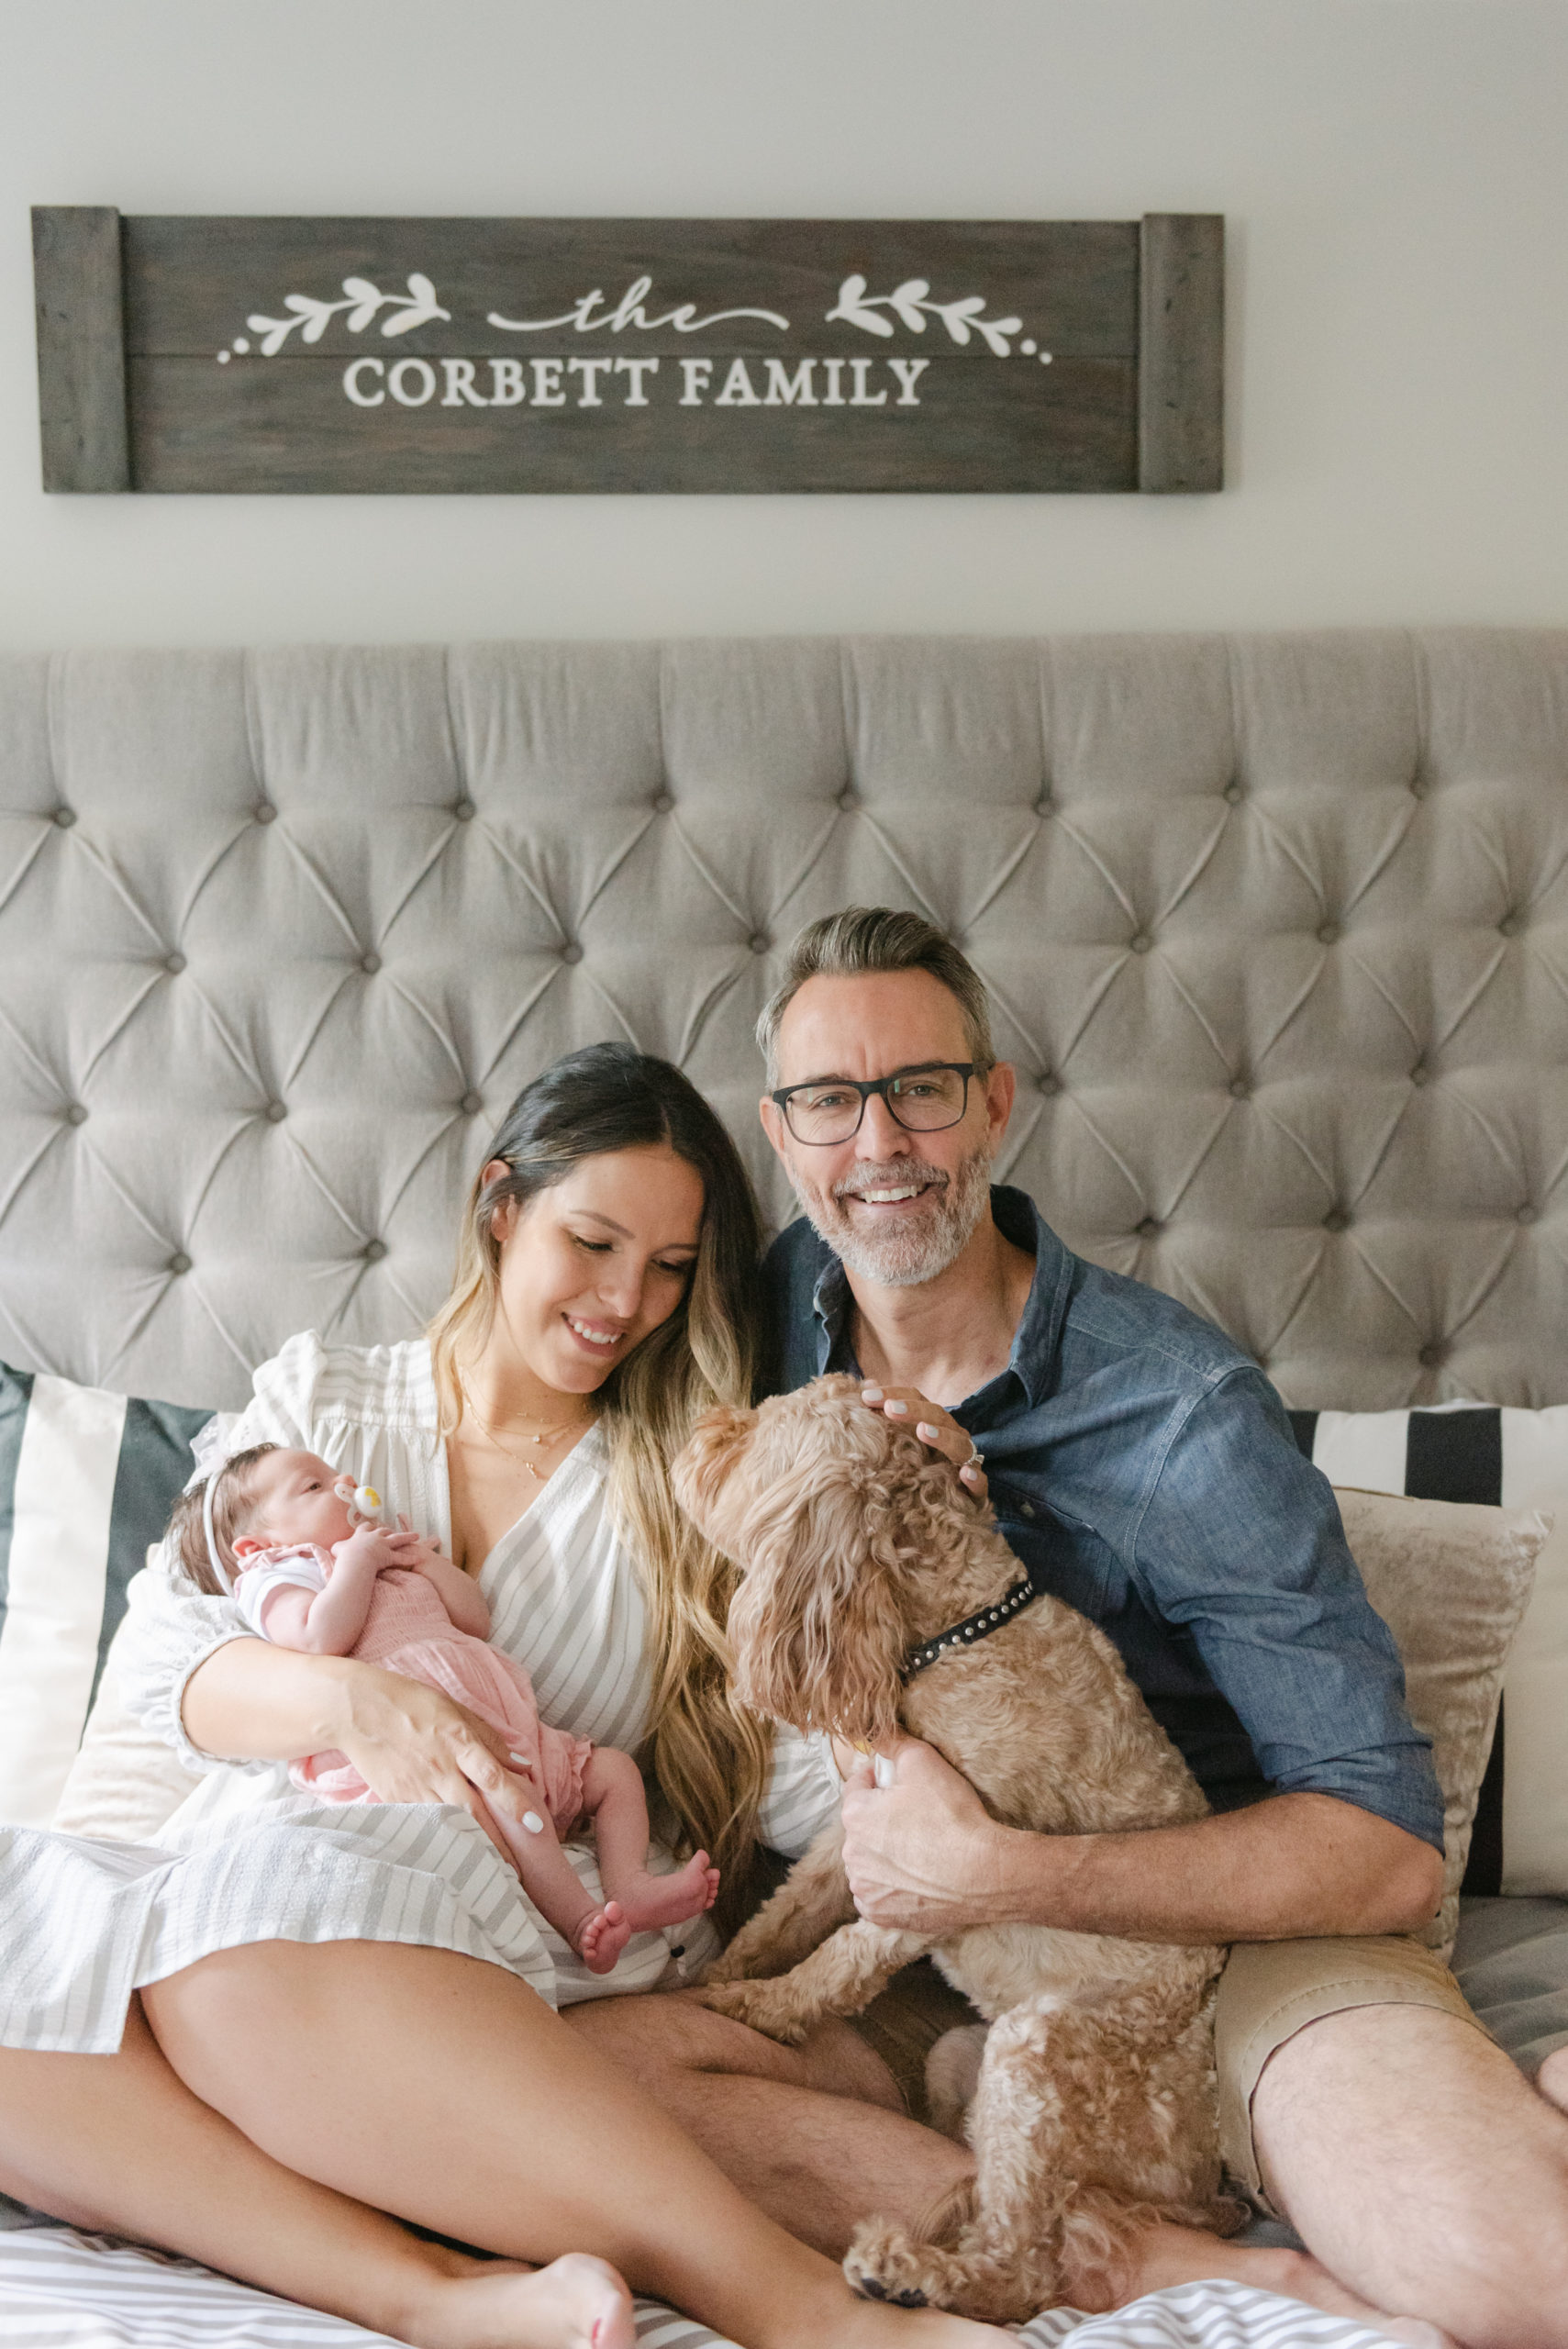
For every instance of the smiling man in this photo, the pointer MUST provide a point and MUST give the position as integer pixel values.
(1143, 1469)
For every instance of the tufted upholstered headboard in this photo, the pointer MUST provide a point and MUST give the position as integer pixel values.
(1277, 929)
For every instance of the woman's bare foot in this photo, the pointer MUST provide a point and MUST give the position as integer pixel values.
(1168, 2254)
(653, 1901)
(577, 2302)
(601, 1937)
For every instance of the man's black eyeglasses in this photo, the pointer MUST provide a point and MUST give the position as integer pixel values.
(923, 1100)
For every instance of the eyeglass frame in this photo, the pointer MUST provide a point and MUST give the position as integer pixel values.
(869, 1085)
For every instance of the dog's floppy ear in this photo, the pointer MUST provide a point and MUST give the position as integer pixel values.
(817, 1624)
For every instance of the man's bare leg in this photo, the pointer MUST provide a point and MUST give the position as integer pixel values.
(118, 2143)
(778, 2121)
(1552, 2078)
(1415, 2162)
(816, 2135)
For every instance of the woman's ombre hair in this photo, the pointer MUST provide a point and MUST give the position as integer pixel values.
(710, 1755)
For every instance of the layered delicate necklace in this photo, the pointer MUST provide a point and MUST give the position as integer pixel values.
(543, 1438)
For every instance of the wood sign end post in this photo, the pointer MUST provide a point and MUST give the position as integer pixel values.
(422, 357)
(81, 327)
(1181, 351)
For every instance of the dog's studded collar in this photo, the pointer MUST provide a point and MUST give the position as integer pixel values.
(974, 1627)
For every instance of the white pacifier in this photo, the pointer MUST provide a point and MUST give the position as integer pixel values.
(361, 1501)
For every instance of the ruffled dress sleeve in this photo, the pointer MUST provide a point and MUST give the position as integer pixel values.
(171, 1627)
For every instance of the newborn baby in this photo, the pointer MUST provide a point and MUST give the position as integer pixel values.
(307, 1570)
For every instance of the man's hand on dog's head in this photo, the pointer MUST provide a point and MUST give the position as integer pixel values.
(921, 1852)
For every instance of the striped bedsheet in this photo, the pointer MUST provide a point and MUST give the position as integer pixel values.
(61, 2290)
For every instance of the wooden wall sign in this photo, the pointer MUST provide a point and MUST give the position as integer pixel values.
(185, 354)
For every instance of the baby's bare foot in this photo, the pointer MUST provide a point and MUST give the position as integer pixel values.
(601, 1937)
(653, 1901)
(577, 2302)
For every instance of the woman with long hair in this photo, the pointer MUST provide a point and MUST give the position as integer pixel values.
(298, 2017)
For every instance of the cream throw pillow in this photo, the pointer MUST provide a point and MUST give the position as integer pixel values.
(1451, 1580)
(124, 1782)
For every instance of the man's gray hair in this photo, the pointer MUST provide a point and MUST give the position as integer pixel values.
(864, 939)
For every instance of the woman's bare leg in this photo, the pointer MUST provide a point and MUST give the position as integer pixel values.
(118, 2142)
(440, 2088)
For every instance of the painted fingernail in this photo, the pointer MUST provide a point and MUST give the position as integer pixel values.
(533, 1822)
(921, 1429)
(871, 1393)
(882, 1770)
(902, 1408)
(524, 1761)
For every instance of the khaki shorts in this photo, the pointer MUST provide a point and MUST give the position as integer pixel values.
(1268, 1992)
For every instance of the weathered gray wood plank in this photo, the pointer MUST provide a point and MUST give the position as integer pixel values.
(1181, 374)
(82, 394)
(374, 355)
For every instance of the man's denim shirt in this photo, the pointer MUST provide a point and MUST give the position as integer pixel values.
(1143, 1469)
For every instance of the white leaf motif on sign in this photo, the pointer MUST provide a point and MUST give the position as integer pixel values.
(363, 302)
(912, 303)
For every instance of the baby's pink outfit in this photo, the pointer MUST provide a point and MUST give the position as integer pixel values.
(408, 1629)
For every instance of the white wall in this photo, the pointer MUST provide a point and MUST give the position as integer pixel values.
(1394, 173)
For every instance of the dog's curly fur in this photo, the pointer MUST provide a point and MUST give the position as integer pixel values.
(1095, 2107)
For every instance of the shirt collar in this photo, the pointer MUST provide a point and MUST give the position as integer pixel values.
(1039, 1331)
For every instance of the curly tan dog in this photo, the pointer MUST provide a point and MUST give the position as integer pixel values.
(1094, 2109)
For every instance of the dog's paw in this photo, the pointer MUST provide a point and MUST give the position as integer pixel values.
(886, 2263)
(760, 2004)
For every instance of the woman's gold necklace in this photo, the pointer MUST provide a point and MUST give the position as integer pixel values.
(549, 1435)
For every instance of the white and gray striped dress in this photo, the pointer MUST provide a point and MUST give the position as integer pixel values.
(248, 1858)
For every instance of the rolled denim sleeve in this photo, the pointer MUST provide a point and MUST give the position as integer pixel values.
(1239, 1542)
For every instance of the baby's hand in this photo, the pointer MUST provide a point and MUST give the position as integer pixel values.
(367, 1550)
(414, 1551)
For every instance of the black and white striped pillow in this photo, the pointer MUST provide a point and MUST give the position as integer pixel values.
(87, 1479)
(1515, 1459)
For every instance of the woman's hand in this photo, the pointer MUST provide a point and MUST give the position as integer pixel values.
(936, 1429)
(411, 1743)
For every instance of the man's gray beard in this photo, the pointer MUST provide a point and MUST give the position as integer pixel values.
(905, 1256)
